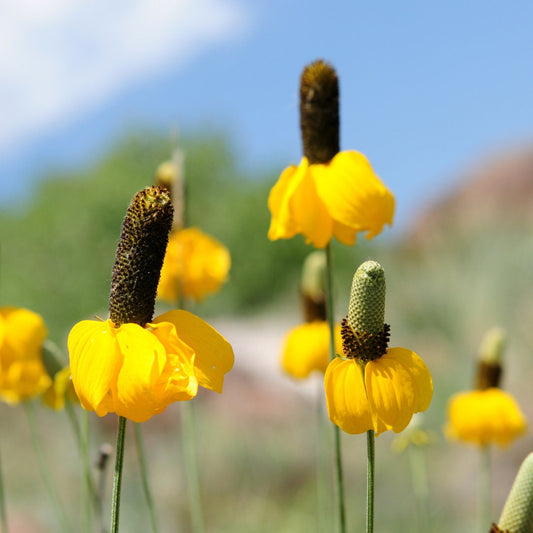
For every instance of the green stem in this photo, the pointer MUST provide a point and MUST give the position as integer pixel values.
(191, 466)
(117, 478)
(484, 490)
(323, 465)
(336, 431)
(43, 467)
(371, 461)
(419, 477)
(3, 514)
(141, 454)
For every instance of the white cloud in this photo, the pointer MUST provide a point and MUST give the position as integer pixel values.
(59, 58)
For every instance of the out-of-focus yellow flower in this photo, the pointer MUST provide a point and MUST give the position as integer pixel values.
(381, 395)
(136, 372)
(485, 417)
(195, 265)
(22, 373)
(307, 348)
(60, 389)
(337, 199)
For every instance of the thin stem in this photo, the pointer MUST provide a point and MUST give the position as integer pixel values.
(484, 489)
(323, 493)
(336, 431)
(3, 514)
(419, 476)
(191, 466)
(371, 460)
(117, 478)
(141, 454)
(43, 467)
(89, 494)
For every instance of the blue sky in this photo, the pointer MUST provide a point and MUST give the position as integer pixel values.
(427, 89)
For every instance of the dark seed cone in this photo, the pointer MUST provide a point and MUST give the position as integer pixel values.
(488, 375)
(363, 345)
(140, 255)
(319, 112)
(313, 309)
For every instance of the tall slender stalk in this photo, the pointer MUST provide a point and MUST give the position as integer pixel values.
(3, 514)
(141, 454)
(336, 431)
(45, 471)
(419, 476)
(191, 466)
(117, 478)
(371, 461)
(484, 489)
(323, 478)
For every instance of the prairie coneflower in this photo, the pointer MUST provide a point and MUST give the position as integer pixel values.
(330, 193)
(373, 387)
(131, 364)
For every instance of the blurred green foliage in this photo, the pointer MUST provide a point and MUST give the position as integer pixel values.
(57, 249)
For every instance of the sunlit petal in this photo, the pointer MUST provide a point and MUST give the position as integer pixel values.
(213, 353)
(346, 398)
(95, 360)
(391, 392)
(420, 375)
(353, 194)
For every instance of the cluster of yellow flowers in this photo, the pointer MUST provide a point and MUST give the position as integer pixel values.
(135, 365)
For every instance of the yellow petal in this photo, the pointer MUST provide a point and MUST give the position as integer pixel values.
(213, 353)
(296, 208)
(144, 358)
(283, 225)
(54, 396)
(95, 360)
(23, 333)
(391, 392)
(353, 194)
(306, 349)
(346, 397)
(420, 375)
(195, 265)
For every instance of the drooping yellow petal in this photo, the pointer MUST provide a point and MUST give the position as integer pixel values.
(178, 381)
(213, 353)
(95, 360)
(282, 224)
(420, 375)
(296, 208)
(144, 358)
(306, 348)
(484, 417)
(391, 392)
(346, 397)
(61, 388)
(195, 265)
(353, 194)
(310, 213)
(23, 334)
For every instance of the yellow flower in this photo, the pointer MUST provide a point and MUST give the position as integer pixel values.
(337, 199)
(195, 265)
(484, 417)
(137, 372)
(61, 388)
(307, 348)
(22, 373)
(381, 395)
